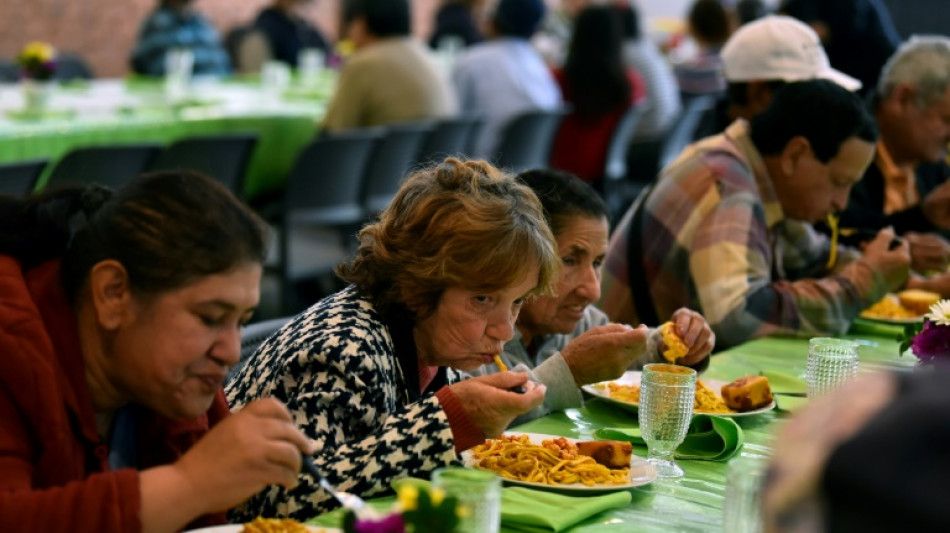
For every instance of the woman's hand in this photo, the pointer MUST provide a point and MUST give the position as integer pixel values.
(604, 352)
(490, 404)
(696, 334)
(256, 447)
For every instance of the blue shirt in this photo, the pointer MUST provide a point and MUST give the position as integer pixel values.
(165, 29)
(500, 79)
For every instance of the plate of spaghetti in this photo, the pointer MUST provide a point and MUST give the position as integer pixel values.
(556, 463)
(267, 525)
(625, 392)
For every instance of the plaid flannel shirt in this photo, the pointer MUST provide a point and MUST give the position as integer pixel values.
(720, 243)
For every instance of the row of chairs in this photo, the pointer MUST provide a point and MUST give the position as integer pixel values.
(222, 156)
(341, 181)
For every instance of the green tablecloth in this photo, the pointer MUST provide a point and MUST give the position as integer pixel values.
(695, 503)
(284, 127)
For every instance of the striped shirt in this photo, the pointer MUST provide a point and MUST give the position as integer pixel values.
(720, 243)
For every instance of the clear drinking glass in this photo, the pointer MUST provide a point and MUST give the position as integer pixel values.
(310, 63)
(479, 491)
(742, 512)
(831, 362)
(275, 78)
(179, 63)
(667, 393)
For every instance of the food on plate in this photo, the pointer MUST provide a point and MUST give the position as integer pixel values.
(888, 307)
(553, 462)
(274, 525)
(707, 401)
(618, 391)
(675, 347)
(917, 301)
(610, 453)
(747, 393)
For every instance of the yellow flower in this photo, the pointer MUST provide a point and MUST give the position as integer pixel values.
(38, 51)
(408, 497)
(345, 47)
(462, 511)
(436, 496)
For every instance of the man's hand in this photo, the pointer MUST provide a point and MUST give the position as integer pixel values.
(893, 264)
(928, 252)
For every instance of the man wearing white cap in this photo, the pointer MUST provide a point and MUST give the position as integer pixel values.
(762, 55)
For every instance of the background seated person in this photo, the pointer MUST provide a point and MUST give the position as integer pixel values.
(563, 339)
(175, 24)
(390, 77)
(907, 186)
(599, 89)
(287, 32)
(371, 372)
(121, 316)
(709, 230)
(505, 76)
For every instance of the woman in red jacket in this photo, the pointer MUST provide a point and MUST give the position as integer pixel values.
(120, 315)
(598, 88)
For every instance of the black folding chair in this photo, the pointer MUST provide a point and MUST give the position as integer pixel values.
(72, 67)
(618, 191)
(112, 166)
(19, 179)
(526, 140)
(451, 136)
(223, 157)
(322, 208)
(393, 158)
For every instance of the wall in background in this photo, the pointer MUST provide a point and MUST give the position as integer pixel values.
(104, 31)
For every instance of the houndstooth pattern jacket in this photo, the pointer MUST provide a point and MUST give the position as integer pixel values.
(335, 367)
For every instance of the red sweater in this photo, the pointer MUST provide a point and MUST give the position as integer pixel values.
(580, 146)
(54, 471)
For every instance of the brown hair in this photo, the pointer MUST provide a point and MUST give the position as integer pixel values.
(459, 223)
(167, 229)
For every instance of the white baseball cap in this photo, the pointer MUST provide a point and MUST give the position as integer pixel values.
(779, 48)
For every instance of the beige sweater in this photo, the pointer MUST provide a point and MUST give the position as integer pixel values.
(392, 80)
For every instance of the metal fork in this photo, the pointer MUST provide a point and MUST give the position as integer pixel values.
(347, 500)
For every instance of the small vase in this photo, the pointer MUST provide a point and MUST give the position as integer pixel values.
(36, 95)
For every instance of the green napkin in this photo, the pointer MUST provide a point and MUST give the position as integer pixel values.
(873, 327)
(790, 404)
(709, 438)
(522, 509)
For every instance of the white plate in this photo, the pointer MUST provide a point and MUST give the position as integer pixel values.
(641, 472)
(237, 528)
(632, 377)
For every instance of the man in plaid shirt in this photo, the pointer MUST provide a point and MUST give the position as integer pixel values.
(726, 230)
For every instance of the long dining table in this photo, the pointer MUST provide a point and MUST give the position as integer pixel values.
(117, 111)
(695, 502)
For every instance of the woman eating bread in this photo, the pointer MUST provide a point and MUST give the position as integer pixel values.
(563, 339)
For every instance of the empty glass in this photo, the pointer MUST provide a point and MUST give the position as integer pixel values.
(667, 393)
(479, 491)
(275, 78)
(179, 63)
(831, 362)
(744, 478)
(310, 63)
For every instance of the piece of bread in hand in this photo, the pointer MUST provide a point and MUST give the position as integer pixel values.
(917, 301)
(747, 393)
(675, 347)
(610, 453)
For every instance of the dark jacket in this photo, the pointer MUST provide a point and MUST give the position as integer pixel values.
(866, 204)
